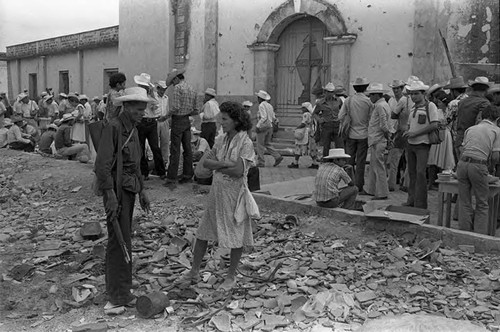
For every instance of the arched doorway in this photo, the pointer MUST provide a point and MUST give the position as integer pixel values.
(302, 65)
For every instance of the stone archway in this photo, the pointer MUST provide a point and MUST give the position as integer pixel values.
(265, 47)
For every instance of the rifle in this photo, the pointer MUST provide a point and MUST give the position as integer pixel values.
(119, 173)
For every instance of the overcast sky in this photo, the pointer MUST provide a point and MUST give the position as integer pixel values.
(28, 20)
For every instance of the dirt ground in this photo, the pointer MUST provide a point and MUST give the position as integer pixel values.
(45, 201)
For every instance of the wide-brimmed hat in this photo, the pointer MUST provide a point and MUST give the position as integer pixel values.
(329, 87)
(336, 154)
(210, 92)
(247, 103)
(481, 80)
(263, 94)
(143, 79)
(361, 81)
(434, 88)
(53, 126)
(62, 94)
(396, 84)
(307, 105)
(83, 97)
(412, 79)
(48, 97)
(455, 83)
(417, 86)
(73, 95)
(7, 122)
(96, 98)
(44, 93)
(376, 88)
(494, 88)
(22, 95)
(67, 117)
(173, 74)
(16, 119)
(339, 90)
(195, 134)
(133, 94)
(162, 84)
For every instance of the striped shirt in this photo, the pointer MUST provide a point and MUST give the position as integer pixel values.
(184, 100)
(327, 181)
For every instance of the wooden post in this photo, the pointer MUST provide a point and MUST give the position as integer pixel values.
(448, 55)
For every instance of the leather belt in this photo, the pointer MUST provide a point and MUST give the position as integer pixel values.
(474, 161)
(149, 120)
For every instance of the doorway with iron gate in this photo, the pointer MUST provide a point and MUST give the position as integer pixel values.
(302, 66)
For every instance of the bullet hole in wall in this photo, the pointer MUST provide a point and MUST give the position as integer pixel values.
(410, 54)
(399, 55)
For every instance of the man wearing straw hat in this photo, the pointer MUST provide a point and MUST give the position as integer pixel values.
(17, 139)
(378, 135)
(326, 113)
(209, 116)
(120, 204)
(423, 119)
(358, 108)
(163, 125)
(470, 108)
(494, 92)
(64, 144)
(184, 104)
(328, 180)
(264, 130)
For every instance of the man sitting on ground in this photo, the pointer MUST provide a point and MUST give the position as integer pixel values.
(328, 180)
(63, 143)
(47, 138)
(4, 141)
(199, 145)
(16, 139)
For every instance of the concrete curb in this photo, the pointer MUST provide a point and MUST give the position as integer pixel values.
(450, 237)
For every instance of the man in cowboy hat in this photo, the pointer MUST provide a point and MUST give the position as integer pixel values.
(117, 83)
(64, 144)
(16, 139)
(4, 130)
(494, 92)
(328, 180)
(26, 108)
(163, 124)
(481, 145)
(400, 108)
(457, 88)
(378, 135)
(423, 119)
(184, 104)
(148, 129)
(264, 130)
(470, 108)
(120, 204)
(357, 107)
(326, 113)
(44, 145)
(208, 116)
(95, 103)
(199, 145)
(64, 106)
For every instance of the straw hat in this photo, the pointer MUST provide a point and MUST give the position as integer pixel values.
(263, 94)
(143, 79)
(433, 89)
(83, 97)
(329, 87)
(307, 105)
(161, 84)
(22, 95)
(376, 88)
(173, 74)
(53, 126)
(73, 95)
(47, 97)
(339, 90)
(132, 94)
(417, 86)
(247, 103)
(361, 81)
(63, 95)
(455, 83)
(481, 80)
(7, 122)
(494, 88)
(43, 94)
(210, 92)
(337, 154)
(396, 84)
(96, 98)
(412, 79)
(67, 117)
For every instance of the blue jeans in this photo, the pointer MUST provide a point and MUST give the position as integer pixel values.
(473, 178)
(180, 133)
(358, 149)
(417, 167)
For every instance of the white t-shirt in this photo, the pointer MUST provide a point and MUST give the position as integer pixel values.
(417, 113)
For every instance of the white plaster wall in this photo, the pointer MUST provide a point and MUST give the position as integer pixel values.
(146, 38)
(3, 77)
(195, 54)
(31, 66)
(94, 63)
(62, 62)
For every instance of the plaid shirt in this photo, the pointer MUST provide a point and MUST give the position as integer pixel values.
(327, 181)
(184, 100)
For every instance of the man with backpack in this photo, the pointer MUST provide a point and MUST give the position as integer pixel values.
(423, 120)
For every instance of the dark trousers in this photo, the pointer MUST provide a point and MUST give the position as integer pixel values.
(358, 149)
(180, 133)
(118, 272)
(346, 199)
(208, 132)
(149, 130)
(417, 166)
(329, 134)
(26, 147)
